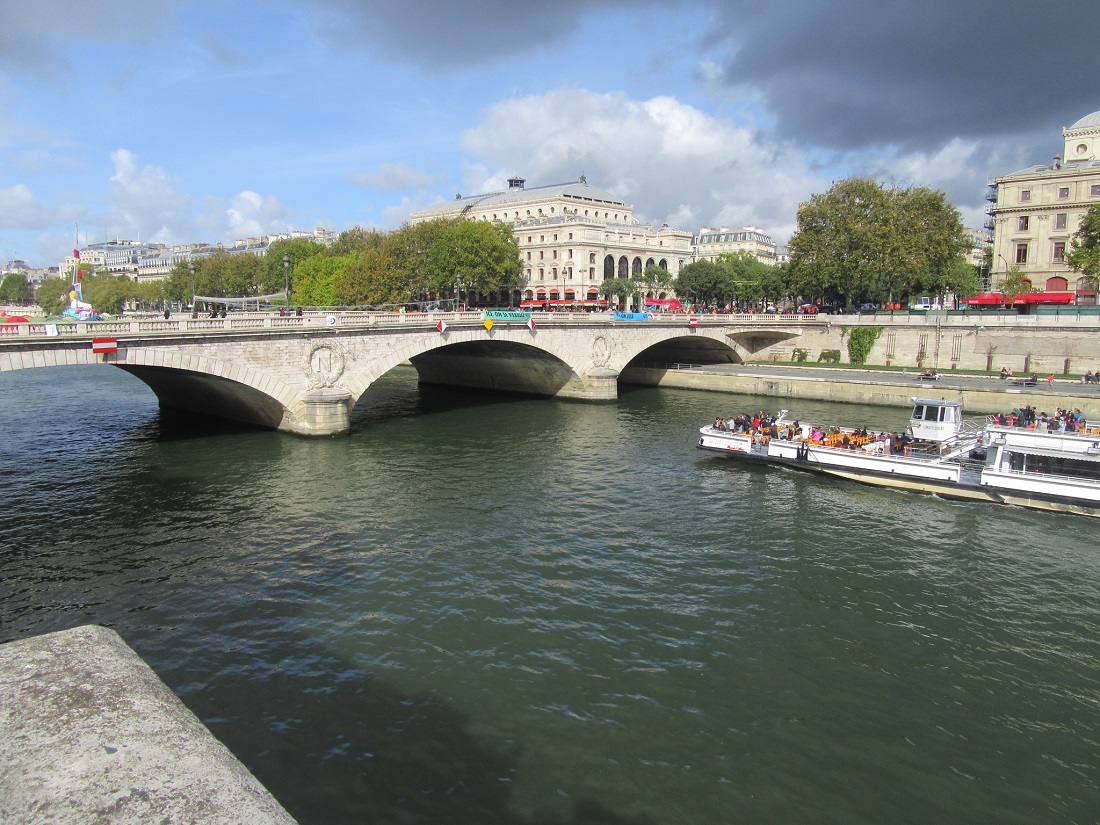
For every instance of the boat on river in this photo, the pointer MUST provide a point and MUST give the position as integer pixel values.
(941, 453)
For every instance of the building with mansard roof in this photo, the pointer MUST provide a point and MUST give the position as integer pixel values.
(1034, 213)
(572, 237)
(711, 242)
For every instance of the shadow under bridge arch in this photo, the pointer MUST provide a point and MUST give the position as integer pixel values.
(503, 366)
(687, 349)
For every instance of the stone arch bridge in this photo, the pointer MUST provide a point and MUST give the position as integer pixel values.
(305, 374)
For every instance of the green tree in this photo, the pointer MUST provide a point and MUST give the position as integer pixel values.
(1014, 284)
(654, 280)
(702, 282)
(296, 250)
(109, 293)
(861, 240)
(482, 256)
(315, 279)
(52, 295)
(15, 289)
(352, 240)
(1084, 254)
(621, 290)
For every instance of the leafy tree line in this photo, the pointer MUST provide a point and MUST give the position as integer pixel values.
(736, 278)
(364, 267)
(861, 241)
(1084, 254)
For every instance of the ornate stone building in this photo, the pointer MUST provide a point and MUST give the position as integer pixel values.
(572, 237)
(710, 243)
(1035, 212)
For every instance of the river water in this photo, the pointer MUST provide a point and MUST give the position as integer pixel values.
(483, 610)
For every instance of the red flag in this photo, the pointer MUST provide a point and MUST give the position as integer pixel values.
(76, 254)
(80, 274)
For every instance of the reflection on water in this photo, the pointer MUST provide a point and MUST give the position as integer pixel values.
(529, 611)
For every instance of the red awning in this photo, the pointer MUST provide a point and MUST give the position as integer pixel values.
(1049, 297)
(986, 299)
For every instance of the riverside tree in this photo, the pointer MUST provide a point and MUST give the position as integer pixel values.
(1084, 254)
(862, 241)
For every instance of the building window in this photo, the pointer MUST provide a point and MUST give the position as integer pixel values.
(1021, 253)
(1025, 195)
(1095, 190)
(528, 254)
(541, 254)
(1023, 223)
(1063, 192)
(1059, 252)
(591, 258)
(1060, 221)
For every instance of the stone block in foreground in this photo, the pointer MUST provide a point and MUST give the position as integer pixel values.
(88, 733)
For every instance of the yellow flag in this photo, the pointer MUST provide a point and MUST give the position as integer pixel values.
(489, 324)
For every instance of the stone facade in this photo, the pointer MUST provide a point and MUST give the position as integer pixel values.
(572, 237)
(1036, 211)
(711, 242)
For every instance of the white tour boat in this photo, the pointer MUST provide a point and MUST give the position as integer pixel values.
(940, 454)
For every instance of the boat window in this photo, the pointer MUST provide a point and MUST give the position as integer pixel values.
(918, 412)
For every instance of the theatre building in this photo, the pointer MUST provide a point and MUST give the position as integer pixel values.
(572, 237)
(1035, 212)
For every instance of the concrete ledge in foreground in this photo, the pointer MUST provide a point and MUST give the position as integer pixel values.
(89, 734)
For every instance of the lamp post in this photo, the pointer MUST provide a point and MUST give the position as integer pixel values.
(458, 290)
(286, 279)
(194, 309)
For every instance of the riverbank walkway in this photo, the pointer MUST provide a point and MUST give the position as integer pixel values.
(90, 734)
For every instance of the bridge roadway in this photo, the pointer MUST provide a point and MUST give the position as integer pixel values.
(304, 374)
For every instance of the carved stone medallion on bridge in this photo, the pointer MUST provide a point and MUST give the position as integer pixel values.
(324, 365)
(601, 351)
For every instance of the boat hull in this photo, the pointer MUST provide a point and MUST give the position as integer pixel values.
(944, 479)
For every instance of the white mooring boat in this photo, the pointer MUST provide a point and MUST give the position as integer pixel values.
(941, 454)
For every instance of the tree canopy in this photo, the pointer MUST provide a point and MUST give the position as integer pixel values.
(861, 241)
(1084, 254)
(15, 289)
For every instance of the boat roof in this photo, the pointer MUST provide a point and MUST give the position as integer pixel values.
(935, 402)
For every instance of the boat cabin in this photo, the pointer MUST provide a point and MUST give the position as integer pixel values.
(935, 419)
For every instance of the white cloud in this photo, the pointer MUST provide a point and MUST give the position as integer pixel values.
(393, 177)
(252, 215)
(675, 163)
(20, 208)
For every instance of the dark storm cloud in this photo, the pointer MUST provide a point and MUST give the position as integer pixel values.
(448, 34)
(845, 74)
(856, 73)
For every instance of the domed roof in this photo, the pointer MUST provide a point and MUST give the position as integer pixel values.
(1087, 121)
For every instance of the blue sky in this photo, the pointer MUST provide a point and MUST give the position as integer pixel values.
(174, 121)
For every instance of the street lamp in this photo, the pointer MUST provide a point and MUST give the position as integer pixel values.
(458, 290)
(286, 279)
(194, 309)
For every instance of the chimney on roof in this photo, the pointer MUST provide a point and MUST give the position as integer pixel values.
(516, 183)
(1057, 161)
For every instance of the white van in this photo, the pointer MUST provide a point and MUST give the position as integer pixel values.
(923, 305)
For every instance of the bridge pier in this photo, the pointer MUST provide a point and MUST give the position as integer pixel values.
(325, 411)
(601, 384)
